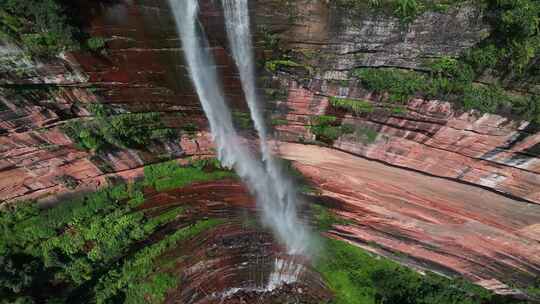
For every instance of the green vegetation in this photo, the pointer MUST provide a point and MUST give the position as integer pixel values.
(96, 43)
(327, 128)
(170, 175)
(44, 28)
(405, 10)
(90, 249)
(279, 121)
(508, 57)
(449, 80)
(355, 106)
(270, 40)
(507, 53)
(276, 94)
(127, 130)
(534, 289)
(325, 219)
(274, 65)
(515, 40)
(358, 277)
(132, 278)
(366, 135)
(242, 120)
(40, 26)
(400, 85)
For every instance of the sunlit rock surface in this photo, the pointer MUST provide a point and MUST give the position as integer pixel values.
(431, 136)
(433, 222)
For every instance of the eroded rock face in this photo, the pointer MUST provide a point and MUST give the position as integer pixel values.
(436, 223)
(430, 136)
(336, 40)
(142, 71)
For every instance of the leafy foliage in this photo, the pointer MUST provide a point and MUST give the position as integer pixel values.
(42, 26)
(128, 130)
(516, 33)
(325, 219)
(449, 79)
(242, 120)
(96, 43)
(327, 128)
(169, 175)
(357, 277)
(354, 106)
(130, 277)
(400, 85)
(405, 10)
(89, 247)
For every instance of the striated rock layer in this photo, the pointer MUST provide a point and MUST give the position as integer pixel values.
(434, 223)
(430, 136)
(238, 261)
(442, 225)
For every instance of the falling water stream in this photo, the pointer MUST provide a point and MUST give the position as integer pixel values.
(274, 192)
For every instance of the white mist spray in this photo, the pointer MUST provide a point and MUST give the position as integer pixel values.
(277, 203)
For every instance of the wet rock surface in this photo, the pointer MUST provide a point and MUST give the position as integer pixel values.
(238, 261)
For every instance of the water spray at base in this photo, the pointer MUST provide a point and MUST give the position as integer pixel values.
(274, 193)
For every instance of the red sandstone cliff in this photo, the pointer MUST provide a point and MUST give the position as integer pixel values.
(142, 71)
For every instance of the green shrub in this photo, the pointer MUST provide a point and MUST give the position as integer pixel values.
(325, 219)
(274, 65)
(41, 26)
(323, 120)
(366, 135)
(327, 129)
(270, 40)
(449, 79)
(357, 277)
(486, 99)
(481, 58)
(528, 108)
(169, 175)
(134, 271)
(515, 35)
(400, 85)
(407, 10)
(242, 120)
(129, 130)
(354, 106)
(279, 121)
(90, 240)
(96, 43)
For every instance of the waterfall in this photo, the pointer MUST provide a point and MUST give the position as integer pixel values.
(237, 23)
(238, 31)
(274, 196)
